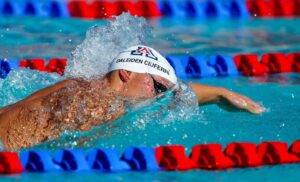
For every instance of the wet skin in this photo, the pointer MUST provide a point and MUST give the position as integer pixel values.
(73, 105)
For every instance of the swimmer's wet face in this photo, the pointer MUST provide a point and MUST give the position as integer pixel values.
(138, 86)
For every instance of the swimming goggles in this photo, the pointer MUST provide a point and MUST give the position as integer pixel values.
(158, 87)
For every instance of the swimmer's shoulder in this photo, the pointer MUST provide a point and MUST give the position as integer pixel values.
(67, 82)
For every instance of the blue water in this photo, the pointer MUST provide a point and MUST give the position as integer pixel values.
(35, 37)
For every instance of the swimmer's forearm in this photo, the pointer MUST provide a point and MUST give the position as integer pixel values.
(207, 94)
(225, 98)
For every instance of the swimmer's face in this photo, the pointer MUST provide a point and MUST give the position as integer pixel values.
(144, 86)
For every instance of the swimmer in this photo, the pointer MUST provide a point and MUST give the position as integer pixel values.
(136, 74)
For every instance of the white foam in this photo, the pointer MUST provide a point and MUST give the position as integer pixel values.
(23, 82)
(102, 44)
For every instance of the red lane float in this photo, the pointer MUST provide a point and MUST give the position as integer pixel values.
(210, 156)
(283, 8)
(295, 59)
(295, 148)
(275, 153)
(81, 9)
(173, 157)
(104, 9)
(297, 8)
(10, 163)
(108, 9)
(273, 8)
(243, 154)
(34, 64)
(259, 8)
(57, 65)
(126, 6)
(148, 9)
(249, 65)
(277, 62)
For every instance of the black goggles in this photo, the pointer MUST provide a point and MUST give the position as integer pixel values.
(158, 87)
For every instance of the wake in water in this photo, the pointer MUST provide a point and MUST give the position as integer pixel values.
(91, 59)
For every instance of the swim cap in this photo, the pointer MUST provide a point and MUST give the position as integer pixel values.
(143, 59)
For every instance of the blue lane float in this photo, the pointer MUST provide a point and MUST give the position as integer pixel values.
(141, 158)
(224, 65)
(58, 9)
(214, 9)
(4, 69)
(35, 8)
(71, 160)
(13, 63)
(38, 161)
(197, 67)
(204, 9)
(6, 66)
(237, 8)
(12, 8)
(177, 65)
(106, 160)
(171, 8)
(191, 66)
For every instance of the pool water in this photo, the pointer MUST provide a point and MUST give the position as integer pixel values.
(36, 37)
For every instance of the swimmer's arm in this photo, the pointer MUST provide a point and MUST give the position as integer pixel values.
(225, 98)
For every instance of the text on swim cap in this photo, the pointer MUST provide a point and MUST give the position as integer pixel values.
(145, 62)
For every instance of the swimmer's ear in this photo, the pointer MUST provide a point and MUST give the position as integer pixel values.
(124, 75)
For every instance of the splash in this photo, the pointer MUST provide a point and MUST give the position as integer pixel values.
(23, 82)
(102, 44)
(179, 107)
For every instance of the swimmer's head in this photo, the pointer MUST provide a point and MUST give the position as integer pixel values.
(142, 72)
(143, 59)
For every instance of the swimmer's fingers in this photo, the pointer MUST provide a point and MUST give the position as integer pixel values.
(242, 102)
(252, 106)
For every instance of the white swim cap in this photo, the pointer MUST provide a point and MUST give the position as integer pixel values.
(143, 59)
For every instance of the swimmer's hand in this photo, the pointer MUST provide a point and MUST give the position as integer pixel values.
(232, 101)
(226, 99)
